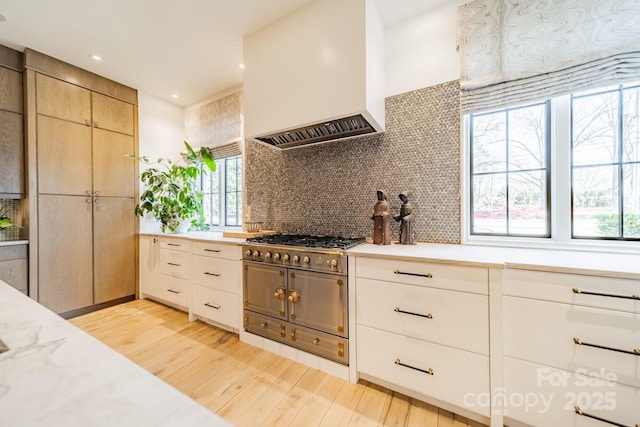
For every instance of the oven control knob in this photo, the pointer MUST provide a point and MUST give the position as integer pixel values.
(248, 252)
(296, 258)
(276, 256)
(285, 257)
(256, 254)
(267, 255)
(306, 260)
(333, 263)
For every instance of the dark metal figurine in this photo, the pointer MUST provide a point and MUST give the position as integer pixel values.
(406, 218)
(381, 220)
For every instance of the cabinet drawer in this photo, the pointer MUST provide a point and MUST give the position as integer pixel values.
(175, 245)
(217, 250)
(434, 370)
(216, 273)
(465, 279)
(457, 319)
(559, 287)
(176, 264)
(212, 304)
(174, 290)
(541, 396)
(544, 332)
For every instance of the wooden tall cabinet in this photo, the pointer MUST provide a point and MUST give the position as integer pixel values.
(11, 125)
(83, 188)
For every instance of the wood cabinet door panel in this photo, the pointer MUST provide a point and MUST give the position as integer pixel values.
(148, 255)
(63, 100)
(114, 248)
(112, 114)
(64, 157)
(12, 149)
(65, 264)
(10, 90)
(113, 174)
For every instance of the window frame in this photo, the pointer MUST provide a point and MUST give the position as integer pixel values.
(221, 174)
(560, 193)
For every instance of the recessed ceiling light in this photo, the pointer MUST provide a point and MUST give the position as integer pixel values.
(241, 66)
(96, 57)
(2, 18)
(174, 96)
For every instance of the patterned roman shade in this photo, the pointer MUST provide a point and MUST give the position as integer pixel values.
(517, 51)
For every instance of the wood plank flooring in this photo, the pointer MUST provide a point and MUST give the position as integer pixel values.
(245, 385)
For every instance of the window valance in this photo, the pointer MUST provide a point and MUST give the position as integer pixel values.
(516, 51)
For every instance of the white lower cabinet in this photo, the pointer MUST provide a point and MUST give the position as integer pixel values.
(203, 278)
(454, 376)
(423, 328)
(542, 396)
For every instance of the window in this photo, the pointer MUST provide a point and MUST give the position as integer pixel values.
(222, 191)
(567, 168)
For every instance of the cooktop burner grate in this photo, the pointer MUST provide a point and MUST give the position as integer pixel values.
(308, 241)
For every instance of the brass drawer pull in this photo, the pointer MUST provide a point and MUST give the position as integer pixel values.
(428, 275)
(173, 244)
(428, 315)
(584, 414)
(212, 250)
(173, 264)
(212, 274)
(428, 371)
(578, 291)
(635, 351)
(172, 291)
(217, 307)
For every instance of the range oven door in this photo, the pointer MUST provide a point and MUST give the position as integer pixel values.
(318, 301)
(265, 289)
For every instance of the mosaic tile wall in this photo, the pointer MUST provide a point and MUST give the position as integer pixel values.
(14, 213)
(331, 188)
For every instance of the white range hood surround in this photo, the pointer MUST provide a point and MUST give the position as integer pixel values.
(323, 62)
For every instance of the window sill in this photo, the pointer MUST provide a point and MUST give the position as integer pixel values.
(606, 246)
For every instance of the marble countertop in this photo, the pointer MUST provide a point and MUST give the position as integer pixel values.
(54, 374)
(618, 265)
(13, 242)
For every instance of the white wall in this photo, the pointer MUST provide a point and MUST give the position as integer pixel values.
(161, 134)
(421, 51)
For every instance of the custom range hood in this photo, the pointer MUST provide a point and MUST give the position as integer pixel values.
(316, 75)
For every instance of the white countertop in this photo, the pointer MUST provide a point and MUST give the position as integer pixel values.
(562, 261)
(205, 236)
(13, 242)
(54, 374)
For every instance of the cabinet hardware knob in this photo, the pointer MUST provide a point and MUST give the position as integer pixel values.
(217, 307)
(599, 294)
(426, 371)
(635, 351)
(316, 341)
(428, 275)
(96, 124)
(428, 315)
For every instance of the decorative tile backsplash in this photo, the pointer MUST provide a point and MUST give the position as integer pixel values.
(331, 188)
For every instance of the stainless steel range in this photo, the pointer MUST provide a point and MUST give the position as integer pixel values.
(295, 292)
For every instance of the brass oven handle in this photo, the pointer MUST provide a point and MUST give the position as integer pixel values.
(428, 275)
(217, 307)
(578, 291)
(579, 411)
(427, 371)
(428, 315)
(294, 298)
(635, 351)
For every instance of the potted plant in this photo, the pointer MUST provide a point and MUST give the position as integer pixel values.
(171, 195)
(5, 221)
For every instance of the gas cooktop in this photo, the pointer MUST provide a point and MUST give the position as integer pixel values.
(308, 241)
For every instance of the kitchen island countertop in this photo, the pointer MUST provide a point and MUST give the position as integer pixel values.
(55, 374)
(616, 265)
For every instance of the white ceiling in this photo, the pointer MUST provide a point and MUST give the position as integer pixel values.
(191, 48)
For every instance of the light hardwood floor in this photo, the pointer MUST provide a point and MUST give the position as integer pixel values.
(245, 385)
